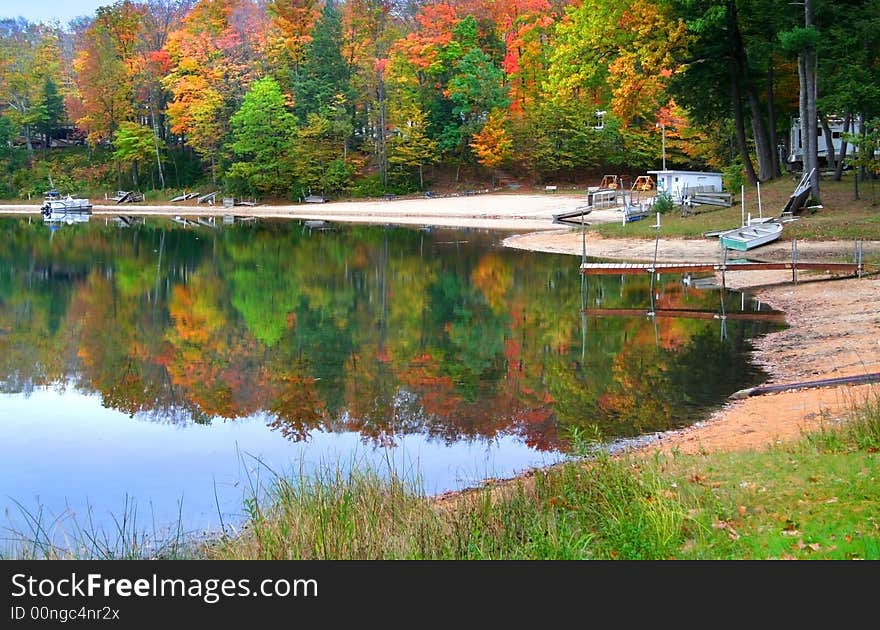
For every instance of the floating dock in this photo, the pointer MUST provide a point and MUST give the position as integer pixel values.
(677, 313)
(611, 269)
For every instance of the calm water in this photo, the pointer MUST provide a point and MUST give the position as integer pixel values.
(164, 371)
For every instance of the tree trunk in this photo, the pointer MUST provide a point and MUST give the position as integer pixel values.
(741, 142)
(27, 139)
(771, 123)
(381, 122)
(134, 174)
(838, 171)
(156, 145)
(763, 152)
(829, 141)
(809, 117)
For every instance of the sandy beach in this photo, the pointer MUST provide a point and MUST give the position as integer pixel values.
(834, 322)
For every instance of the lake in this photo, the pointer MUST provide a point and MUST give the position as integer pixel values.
(161, 374)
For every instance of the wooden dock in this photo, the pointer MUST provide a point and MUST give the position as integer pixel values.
(676, 313)
(612, 269)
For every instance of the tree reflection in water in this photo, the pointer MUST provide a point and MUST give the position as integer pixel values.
(383, 331)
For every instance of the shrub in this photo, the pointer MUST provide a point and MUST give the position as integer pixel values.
(663, 203)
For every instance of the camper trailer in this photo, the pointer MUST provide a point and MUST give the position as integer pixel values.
(836, 125)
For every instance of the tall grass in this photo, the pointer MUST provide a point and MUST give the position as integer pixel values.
(605, 509)
(44, 536)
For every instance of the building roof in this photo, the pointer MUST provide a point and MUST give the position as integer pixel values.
(668, 172)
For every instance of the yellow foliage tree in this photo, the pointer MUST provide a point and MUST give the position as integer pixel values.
(492, 145)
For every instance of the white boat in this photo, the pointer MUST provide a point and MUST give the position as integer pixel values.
(751, 236)
(59, 204)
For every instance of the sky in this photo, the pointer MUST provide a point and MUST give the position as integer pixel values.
(48, 10)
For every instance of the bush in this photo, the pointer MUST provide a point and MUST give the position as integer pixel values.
(732, 176)
(369, 186)
(663, 203)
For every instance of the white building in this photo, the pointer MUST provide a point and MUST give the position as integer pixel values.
(681, 184)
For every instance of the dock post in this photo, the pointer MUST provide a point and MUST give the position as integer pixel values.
(583, 241)
(794, 259)
(723, 267)
(858, 258)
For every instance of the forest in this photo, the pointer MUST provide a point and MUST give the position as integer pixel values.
(279, 99)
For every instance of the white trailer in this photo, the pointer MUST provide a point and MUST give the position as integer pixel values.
(836, 125)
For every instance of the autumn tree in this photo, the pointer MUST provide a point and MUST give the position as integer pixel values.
(214, 57)
(410, 146)
(292, 23)
(320, 162)
(492, 144)
(105, 65)
(617, 57)
(29, 57)
(369, 30)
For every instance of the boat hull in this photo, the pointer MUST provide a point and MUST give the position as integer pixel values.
(752, 236)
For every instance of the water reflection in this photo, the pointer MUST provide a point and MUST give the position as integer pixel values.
(376, 332)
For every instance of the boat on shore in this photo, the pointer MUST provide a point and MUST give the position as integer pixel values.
(751, 236)
(54, 202)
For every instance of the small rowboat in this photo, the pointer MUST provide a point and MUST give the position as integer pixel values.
(751, 236)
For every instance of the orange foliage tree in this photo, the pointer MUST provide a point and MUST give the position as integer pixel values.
(492, 144)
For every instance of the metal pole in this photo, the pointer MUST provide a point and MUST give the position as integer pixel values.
(654, 265)
(760, 210)
(663, 143)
